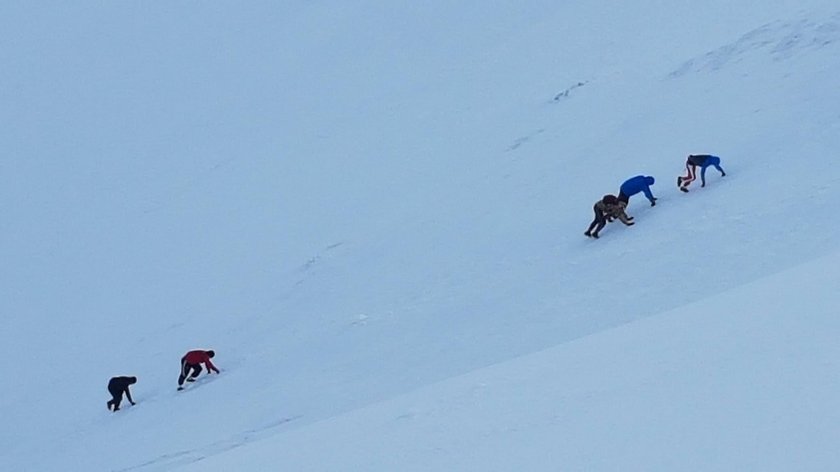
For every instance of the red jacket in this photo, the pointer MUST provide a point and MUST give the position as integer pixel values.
(200, 357)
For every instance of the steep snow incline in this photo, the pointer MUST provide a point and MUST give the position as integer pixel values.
(745, 380)
(350, 201)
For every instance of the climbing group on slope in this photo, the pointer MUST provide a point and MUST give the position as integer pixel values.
(610, 208)
(190, 370)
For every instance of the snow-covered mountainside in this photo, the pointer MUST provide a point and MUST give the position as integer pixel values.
(374, 214)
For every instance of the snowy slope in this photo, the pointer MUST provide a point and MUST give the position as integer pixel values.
(351, 201)
(744, 380)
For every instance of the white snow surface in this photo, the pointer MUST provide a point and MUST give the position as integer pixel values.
(374, 212)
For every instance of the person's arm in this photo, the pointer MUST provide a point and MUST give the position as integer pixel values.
(128, 395)
(703, 176)
(210, 367)
(622, 215)
(650, 196)
(607, 210)
(622, 208)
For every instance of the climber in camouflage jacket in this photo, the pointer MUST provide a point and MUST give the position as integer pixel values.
(606, 210)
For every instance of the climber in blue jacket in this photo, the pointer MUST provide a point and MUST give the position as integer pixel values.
(634, 185)
(691, 164)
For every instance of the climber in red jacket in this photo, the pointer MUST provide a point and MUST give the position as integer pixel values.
(191, 366)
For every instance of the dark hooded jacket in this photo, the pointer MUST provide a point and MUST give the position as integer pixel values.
(118, 386)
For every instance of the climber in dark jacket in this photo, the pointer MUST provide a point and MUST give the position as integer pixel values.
(118, 386)
(691, 164)
(634, 185)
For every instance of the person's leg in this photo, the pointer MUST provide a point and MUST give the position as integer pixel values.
(687, 174)
(692, 175)
(592, 225)
(601, 225)
(192, 371)
(600, 221)
(183, 375)
(115, 400)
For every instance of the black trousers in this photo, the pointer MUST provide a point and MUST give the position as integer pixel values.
(188, 370)
(599, 222)
(117, 396)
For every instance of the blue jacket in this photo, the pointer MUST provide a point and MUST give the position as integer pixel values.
(639, 183)
(710, 161)
(704, 161)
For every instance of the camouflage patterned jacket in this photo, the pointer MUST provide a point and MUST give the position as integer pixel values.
(616, 211)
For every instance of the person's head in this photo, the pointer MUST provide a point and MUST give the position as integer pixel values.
(610, 199)
(649, 180)
(211, 353)
(132, 380)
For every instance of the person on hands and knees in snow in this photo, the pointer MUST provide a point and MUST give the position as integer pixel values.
(191, 366)
(634, 185)
(606, 210)
(118, 386)
(691, 164)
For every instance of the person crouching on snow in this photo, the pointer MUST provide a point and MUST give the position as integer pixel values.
(191, 366)
(606, 210)
(691, 164)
